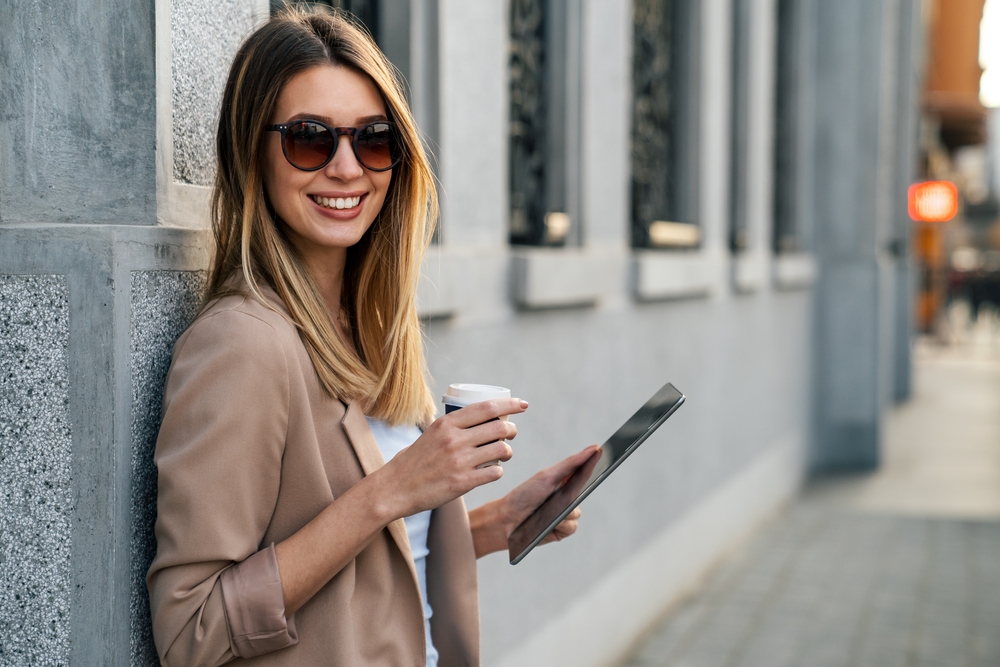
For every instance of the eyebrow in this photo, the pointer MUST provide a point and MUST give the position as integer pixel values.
(329, 121)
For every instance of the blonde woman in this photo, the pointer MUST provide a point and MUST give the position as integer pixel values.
(310, 506)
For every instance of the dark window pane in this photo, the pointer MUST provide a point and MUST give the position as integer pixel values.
(527, 121)
(738, 227)
(651, 128)
(663, 128)
(365, 11)
(786, 236)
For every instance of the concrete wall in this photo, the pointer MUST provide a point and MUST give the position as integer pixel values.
(85, 349)
(77, 113)
(866, 59)
(743, 358)
(93, 293)
(89, 310)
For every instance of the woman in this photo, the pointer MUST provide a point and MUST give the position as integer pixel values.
(281, 537)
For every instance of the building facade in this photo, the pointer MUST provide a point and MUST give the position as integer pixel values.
(710, 193)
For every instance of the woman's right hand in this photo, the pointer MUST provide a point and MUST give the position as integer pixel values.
(439, 467)
(441, 464)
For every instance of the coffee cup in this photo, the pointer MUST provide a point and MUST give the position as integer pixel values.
(460, 395)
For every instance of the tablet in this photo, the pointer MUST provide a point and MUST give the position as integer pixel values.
(593, 471)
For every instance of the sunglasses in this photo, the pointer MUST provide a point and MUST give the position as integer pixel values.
(310, 145)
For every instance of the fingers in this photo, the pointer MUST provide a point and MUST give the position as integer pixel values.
(568, 525)
(486, 475)
(492, 452)
(477, 413)
(491, 431)
(567, 466)
(565, 528)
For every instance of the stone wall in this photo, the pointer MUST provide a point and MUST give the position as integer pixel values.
(94, 290)
(36, 469)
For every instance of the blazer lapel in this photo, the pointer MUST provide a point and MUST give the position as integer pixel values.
(363, 441)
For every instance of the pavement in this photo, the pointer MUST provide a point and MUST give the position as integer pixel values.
(899, 567)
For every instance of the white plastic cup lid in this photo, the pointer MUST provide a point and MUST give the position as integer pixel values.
(467, 394)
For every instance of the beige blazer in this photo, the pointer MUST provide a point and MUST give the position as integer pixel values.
(250, 450)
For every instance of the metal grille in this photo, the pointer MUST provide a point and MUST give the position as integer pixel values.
(739, 232)
(651, 131)
(527, 121)
(786, 238)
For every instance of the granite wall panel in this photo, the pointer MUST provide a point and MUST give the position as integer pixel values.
(36, 469)
(163, 304)
(205, 36)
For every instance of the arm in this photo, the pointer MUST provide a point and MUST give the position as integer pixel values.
(218, 458)
(439, 467)
(493, 522)
(213, 595)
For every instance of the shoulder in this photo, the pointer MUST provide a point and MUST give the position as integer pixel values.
(236, 347)
(239, 323)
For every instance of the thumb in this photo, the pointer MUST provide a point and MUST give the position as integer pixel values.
(565, 468)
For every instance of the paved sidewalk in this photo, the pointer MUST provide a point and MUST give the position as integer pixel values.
(897, 568)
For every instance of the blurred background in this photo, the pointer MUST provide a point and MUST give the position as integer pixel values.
(788, 208)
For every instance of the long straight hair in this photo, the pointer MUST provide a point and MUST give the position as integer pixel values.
(386, 369)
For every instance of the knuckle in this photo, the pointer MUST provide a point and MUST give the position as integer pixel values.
(456, 484)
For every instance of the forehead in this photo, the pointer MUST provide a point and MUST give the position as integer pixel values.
(342, 95)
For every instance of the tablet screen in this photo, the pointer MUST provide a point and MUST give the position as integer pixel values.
(593, 471)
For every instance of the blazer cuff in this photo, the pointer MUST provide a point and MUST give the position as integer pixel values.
(255, 606)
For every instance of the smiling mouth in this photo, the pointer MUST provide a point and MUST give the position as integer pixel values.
(339, 203)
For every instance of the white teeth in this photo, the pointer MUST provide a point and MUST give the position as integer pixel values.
(337, 202)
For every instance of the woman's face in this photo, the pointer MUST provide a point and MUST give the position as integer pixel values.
(339, 97)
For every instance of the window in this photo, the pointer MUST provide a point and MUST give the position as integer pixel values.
(739, 229)
(787, 139)
(366, 11)
(664, 128)
(544, 69)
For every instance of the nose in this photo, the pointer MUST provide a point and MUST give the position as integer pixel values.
(344, 165)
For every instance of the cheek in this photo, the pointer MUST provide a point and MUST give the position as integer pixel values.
(381, 181)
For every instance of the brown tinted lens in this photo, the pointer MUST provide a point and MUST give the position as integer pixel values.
(376, 146)
(309, 145)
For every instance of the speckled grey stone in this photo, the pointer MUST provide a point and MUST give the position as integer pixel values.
(36, 469)
(205, 36)
(163, 304)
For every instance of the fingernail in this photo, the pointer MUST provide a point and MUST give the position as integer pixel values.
(524, 404)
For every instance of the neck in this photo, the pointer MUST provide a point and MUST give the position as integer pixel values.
(326, 268)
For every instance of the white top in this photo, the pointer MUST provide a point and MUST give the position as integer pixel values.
(391, 441)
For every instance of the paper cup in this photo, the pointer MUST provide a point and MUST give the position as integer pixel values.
(460, 395)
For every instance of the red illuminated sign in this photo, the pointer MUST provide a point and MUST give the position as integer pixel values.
(933, 201)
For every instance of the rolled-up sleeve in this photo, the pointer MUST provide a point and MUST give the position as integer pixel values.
(215, 593)
(255, 606)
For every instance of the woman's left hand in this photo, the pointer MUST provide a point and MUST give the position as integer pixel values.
(493, 523)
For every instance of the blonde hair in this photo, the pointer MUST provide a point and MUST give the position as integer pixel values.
(388, 369)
